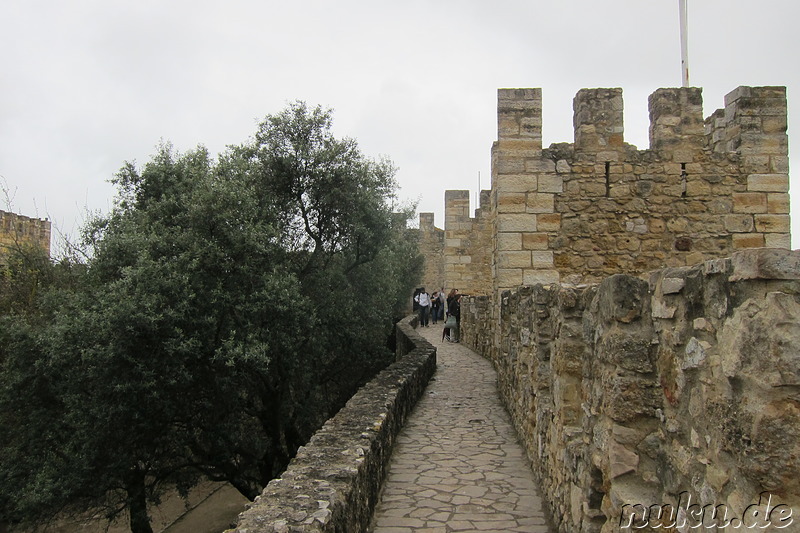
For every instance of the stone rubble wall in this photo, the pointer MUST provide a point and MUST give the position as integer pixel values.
(636, 390)
(333, 484)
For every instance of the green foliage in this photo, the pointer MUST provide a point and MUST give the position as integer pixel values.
(227, 309)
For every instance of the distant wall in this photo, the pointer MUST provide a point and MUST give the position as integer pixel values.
(18, 230)
(460, 256)
(431, 246)
(638, 392)
(333, 483)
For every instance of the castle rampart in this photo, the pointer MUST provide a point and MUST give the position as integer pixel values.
(19, 230)
(629, 387)
(648, 392)
(578, 212)
(334, 481)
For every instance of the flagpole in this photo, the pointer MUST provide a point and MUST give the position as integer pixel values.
(684, 44)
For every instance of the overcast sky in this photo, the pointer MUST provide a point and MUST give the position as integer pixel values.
(88, 84)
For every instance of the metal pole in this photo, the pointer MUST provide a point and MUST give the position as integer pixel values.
(684, 43)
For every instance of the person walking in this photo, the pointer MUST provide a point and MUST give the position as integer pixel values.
(424, 301)
(442, 301)
(454, 309)
(436, 304)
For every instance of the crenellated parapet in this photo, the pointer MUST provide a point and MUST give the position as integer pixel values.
(577, 212)
(467, 250)
(18, 230)
(431, 247)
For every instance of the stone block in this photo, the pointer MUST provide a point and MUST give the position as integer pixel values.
(750, 202)
(659, 309)
(778, 203)
(628, 351)
(516, 222)
(747, 240)
(548, 222)
(621, 460)
(757, 163)
(509, 165)
(540, 203)
(672, 285)
(698, 187)
(779, 164)
(540, 166)
(542, 259)
(507, 126)
(535, 241)
(621, 298)
(509, 277)
(544, 277)
(738, 223)
(518, 148)
(550, 183)
(629, 396)
(509, 241)
(765, 263)
(515, 183)
(768, 182)
(772, 223)
(774, 124)
(511, 202)
(513, 259)
(778, 240)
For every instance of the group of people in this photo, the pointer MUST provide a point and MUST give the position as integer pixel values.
(434, 307)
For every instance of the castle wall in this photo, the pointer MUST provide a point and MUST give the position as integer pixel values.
(460, 256)
(634, 388)
(467, 251)
(19, 230)
(634, 393)
(431, 246)
(334, 481)
(578, 212)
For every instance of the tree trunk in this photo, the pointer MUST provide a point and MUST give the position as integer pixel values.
(137, 503)
(246, 489)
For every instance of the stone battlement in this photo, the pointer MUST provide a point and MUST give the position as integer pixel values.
(577, 212)
(17, 230)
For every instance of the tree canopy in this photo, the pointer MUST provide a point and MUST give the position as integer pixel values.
(228, 307)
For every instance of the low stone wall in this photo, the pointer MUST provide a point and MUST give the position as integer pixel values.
(333, 483)
(681, 389)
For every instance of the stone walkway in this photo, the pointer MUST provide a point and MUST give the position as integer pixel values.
(457, 465)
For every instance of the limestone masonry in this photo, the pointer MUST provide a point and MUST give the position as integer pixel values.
(578, 212)
(16, 230)
(642, 393)
(641, 307)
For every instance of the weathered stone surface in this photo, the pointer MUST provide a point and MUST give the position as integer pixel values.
(630, 352)
(661, 359)
(620, 406)
(766, 263)
(622, 298)
(333, 482)
(18, 229)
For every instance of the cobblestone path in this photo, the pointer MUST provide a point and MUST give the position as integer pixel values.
(457, 465)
